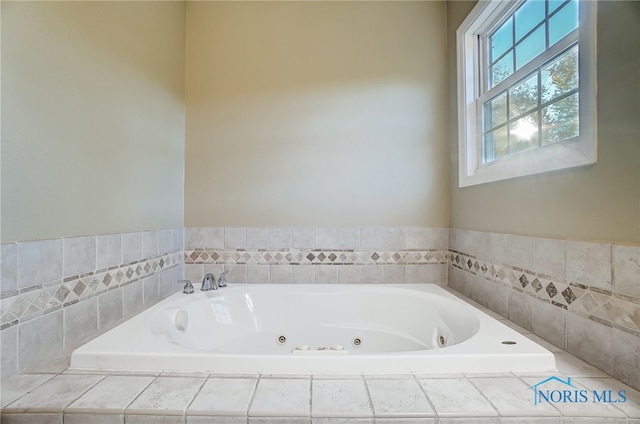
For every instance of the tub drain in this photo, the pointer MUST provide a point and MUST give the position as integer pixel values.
(442, 341)
(281, 339)
(356, 342)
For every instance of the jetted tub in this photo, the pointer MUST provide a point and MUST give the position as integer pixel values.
(305, 329)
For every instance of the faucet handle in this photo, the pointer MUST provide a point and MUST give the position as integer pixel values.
(188, 287)
(222, 280)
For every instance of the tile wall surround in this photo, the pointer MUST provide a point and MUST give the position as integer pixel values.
(581, 296)
(311, 255)
(56, 294)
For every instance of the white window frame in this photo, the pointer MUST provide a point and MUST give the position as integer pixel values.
(581, 151)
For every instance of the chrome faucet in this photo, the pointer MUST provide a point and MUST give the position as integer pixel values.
(188, 287)
(209, 283)
(222, 281)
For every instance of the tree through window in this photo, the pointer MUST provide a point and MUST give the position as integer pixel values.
(542, 107)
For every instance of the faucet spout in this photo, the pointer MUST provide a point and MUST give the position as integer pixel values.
(209, 283)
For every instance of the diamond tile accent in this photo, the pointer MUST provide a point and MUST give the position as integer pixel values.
(328, 257)
(54, 295)
(79, 288)
(537, 286)
(591, 302)
(62, 294)
(568, 295)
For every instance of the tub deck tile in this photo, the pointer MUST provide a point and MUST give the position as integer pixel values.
(631, 407)
(29, 418)
(279, 420)
(100, 399)
(398, 398)
(111, 395)
(188, 398)
(96, 418)
(281, 397)
(216, 420)
(340, 398)
(154, 419)
(355, 421)
(224, 396)
(512, 397)
(453, 397)
(18, 385)
(405, 421)
(165, 396)
(54, 395)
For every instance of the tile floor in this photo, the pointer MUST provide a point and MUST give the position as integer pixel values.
(54, 394)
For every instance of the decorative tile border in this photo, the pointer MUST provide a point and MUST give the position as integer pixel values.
(605, 306)
(42, 299)
(315, 257)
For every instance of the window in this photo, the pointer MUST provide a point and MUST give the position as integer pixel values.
(526, 88)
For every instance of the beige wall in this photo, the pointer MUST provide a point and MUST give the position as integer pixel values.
(600, 202)
(92, 117)
(316, 113)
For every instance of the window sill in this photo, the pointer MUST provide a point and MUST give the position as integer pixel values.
(550, 158)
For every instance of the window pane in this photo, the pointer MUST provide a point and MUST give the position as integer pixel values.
(495, 111)
(530, 47)
(523, 97)
(560, 76)
(563, 22)
(523, 134)
(496, 145)
(554, 4)
(528, 16)
(560, 120)
(502, 69)
(501, 40)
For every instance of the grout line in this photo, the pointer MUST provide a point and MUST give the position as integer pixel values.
(127, 406)
(366, 389)
(52, 376)
(484, 396)
(431, 404)
(253, 395)
(310, 396)
(188, 405)
(64, 408)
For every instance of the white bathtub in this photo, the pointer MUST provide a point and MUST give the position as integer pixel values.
(305, 329)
